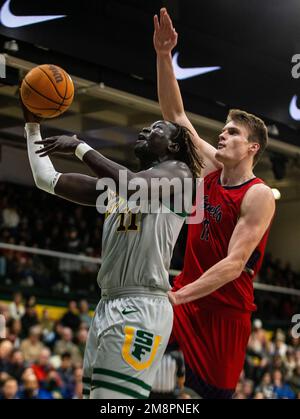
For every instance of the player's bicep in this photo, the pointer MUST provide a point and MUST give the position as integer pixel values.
(257, 211)
(77, 188)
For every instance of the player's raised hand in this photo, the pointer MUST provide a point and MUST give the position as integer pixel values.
(28, 116)
(165, 35)
(63, 144)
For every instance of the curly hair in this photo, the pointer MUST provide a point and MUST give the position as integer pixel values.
(188, 152)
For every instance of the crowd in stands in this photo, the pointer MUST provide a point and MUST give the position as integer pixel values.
(272, 365)
(42, 358)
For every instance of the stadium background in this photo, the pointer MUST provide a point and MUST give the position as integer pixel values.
(106, 46)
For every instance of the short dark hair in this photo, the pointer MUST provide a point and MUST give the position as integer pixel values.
(258, 131)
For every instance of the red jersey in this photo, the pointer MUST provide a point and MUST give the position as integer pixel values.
(208, 242)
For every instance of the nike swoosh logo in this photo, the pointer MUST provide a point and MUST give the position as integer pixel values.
(10, 20)
(294, 110)
(125, 311)
(187, 73)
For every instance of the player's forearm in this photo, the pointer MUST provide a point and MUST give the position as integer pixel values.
(169, 95)
(44, 174)
(218, 275)
(104, 167)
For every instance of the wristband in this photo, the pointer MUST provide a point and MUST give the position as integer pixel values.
(81, 149)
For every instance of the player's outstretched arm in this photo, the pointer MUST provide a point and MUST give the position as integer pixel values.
(170, 100)
(257, 211)
(74, 187)
(125, 181)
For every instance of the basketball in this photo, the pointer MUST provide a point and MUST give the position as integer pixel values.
(47, 91)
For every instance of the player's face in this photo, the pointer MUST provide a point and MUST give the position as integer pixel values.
(233, 145)
(154, 140)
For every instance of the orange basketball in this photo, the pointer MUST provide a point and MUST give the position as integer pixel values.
(47, 91)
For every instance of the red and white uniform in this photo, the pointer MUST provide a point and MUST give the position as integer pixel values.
(213, 331)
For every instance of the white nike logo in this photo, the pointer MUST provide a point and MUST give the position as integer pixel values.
(186, 73)
(10, 20)
(294, 110)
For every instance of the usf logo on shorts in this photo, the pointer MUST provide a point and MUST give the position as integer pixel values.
(139, 348)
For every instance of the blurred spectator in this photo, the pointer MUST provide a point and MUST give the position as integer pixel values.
(42, 367)
(32, 346)
(6, 348)
(65, 344)
(16, 365)
(81, 340)
(16, 308)
(66, 372)
(266, 388)
(9, 389)
(84, 312)
(29, 319)
(71, 318)
(281, 389)
(31, 389)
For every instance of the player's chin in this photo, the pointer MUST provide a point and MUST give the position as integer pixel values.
(220, 155)
(140, 148)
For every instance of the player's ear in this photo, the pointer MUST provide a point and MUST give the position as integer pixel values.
(254, 147)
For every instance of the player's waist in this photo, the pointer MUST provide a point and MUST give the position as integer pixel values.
(110, 293)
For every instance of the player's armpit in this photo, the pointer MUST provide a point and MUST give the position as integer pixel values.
(77, 188)
(257, 211)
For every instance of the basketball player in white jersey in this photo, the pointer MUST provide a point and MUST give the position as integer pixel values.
(133, 320)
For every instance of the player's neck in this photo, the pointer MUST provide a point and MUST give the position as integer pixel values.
(234, 176)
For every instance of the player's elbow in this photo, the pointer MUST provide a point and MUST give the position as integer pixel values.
(236, 266)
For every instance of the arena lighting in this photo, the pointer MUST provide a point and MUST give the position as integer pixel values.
(276, 193)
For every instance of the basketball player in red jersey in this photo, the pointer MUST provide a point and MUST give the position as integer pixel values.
(213, 296)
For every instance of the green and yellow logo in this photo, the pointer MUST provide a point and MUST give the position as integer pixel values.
(139, 348)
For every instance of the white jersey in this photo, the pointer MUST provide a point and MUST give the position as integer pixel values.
(137, 248)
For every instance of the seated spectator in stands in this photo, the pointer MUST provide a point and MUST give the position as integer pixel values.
(81, 339)
(278, 346)
(6, 348)
(32, 346)
(14, 332)
(65, 344)
(46, 323)
(84, 312)
(266, 387)
(248, 388)
(65, 372)
(16, 365)
(294, 380)
(29, 319)
(42, 366)
(53, 384)
(31, 389)
(71, 318)
(16, 307)
(9, 389)
(281, 389)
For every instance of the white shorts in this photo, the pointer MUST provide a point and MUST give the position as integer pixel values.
(127, 339)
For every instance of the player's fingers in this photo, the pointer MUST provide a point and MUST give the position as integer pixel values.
(44, 149)
(168, 21)
(48, 150)
(156, 23)
(45, 141)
